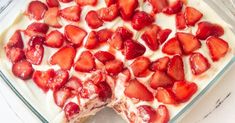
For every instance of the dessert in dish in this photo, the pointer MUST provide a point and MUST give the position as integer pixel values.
(146, 59)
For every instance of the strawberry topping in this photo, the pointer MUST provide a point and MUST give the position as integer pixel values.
(104, 56)
(42, 78)
(127, 8)
(16, 41)
(71, 109)
(160, 79)
(176, 68)
(71, 13)
(54, 39)
(192, 16)
(53, 3)
(172, 47)
(60, 96)
(141, 19)
(160, 64)
(75, 34)
(108, 14)
(22, 69)
(140, 65)
(36, 9)
(51, 17)
(114, 67)
(198, 63)
(133, 49)
(85, 62)
(92, 40)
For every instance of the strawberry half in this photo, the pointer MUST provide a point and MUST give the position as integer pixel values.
(198, 63)
(61, 96)
(127, 8)
(14, 54)
(16, 40)
(36, 9)
(162, 114)
(176, 68)
(147, 113)
(160, 79)
(217, 47)
(172, 47)
(59, 80)
(165, 96)
(75, 34)
(137, 90)
(86, 2)
(104, 34)
(92, 40)
(71, 13)
(74, 84)
(114, 67)
(22, 69)
(163, 35)
(180, 21)
(160, 64)
(89, 89)
(64, 57)
(188, 42)
(141, 19)
(124, 32)
(37, 29)
(54, 39)
(158, 5)
(93, 20)
(110, 2)
(53, 3)
(173, 7)
(105, 91)
(192, 16)
(140, 65)
(116, 41)
(109, 13)
(71, 109)
(133, 49)
(104, 56)
(85, 62)
(51, 17)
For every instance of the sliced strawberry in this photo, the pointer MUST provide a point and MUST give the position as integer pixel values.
(54, 39)
(133, 49)
(184, 90)
(85, 62)
(162, 114)
(105, 91)
(110, 2)
(14, 54)
(160, 64)
(65, 1)
(51, 17)
(116, 41)
(180, 21)
(138, 91)
(61, 96)
(104, 34)
(93, 20)
(150, 37)
(160, 79)
(158, 5)
(53, 3)
(104, 56)
(217, 47)
(147, 113)
(89, 88)
(173, 7)
(172, 47)
(74, 83)
(36, 9)
(22, 69)
(124, 32)
(36, 40)
(86, 2)
(71, 13)
(188, 42)
(141, 19)
(140, 65)
(37, 29)
(198, 63)
(126, 72)
(42, 78)
(16, 40)
(109, 13)
(59, 80)
(163, 35)
(64, 57)
(206, 29)
(114, 67)
(71, 109)
(127, 8)
(98, 77)
(165, 96)
(192, 16)
(176, 68)
(75, 34)
(92, 40)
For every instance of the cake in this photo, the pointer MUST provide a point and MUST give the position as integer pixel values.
(146, 59)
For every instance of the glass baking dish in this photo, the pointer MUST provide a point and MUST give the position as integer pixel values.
(224, 8)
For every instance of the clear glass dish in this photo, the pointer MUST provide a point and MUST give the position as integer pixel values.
(224, 8)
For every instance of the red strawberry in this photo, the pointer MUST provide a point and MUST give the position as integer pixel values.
(93, 20)
(54, 39)
(140, 65)
(74, 83)
(85, 62)
(206, 29)
(176, 68)
(133, 49)
(64, 57)
(192, 16)
(42, 78)
(71, 13)
(126, 72)
(53, 3)
(92, 40)
(14, 54)
(65, 1)
(163, 35)
(61, 96)
(165, 96)
(89, 88)
(75, 34)
(36, 9)
(150, 37)
(160, 64)
(51, 17)
(16, 40)
(172, 47)
(105, 91)
(173, 7)
(198, 63)
(141, 19)
(180, 21)
(160, 79)
(116, 41)
(184, 90)
(109, 13)
(158, 5)
(104, 56)
(114, 67)
(104, 34)
(22, 69)
(59, 80)
(162, 114)
(147, 113)
(37, 29)
(124, 32)
(188, 42)
(110, 2)
(98, 77)
(36, 40)
(86, 2)
(71, 109)
(127, 8)
(138, 91)
(217, 47)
